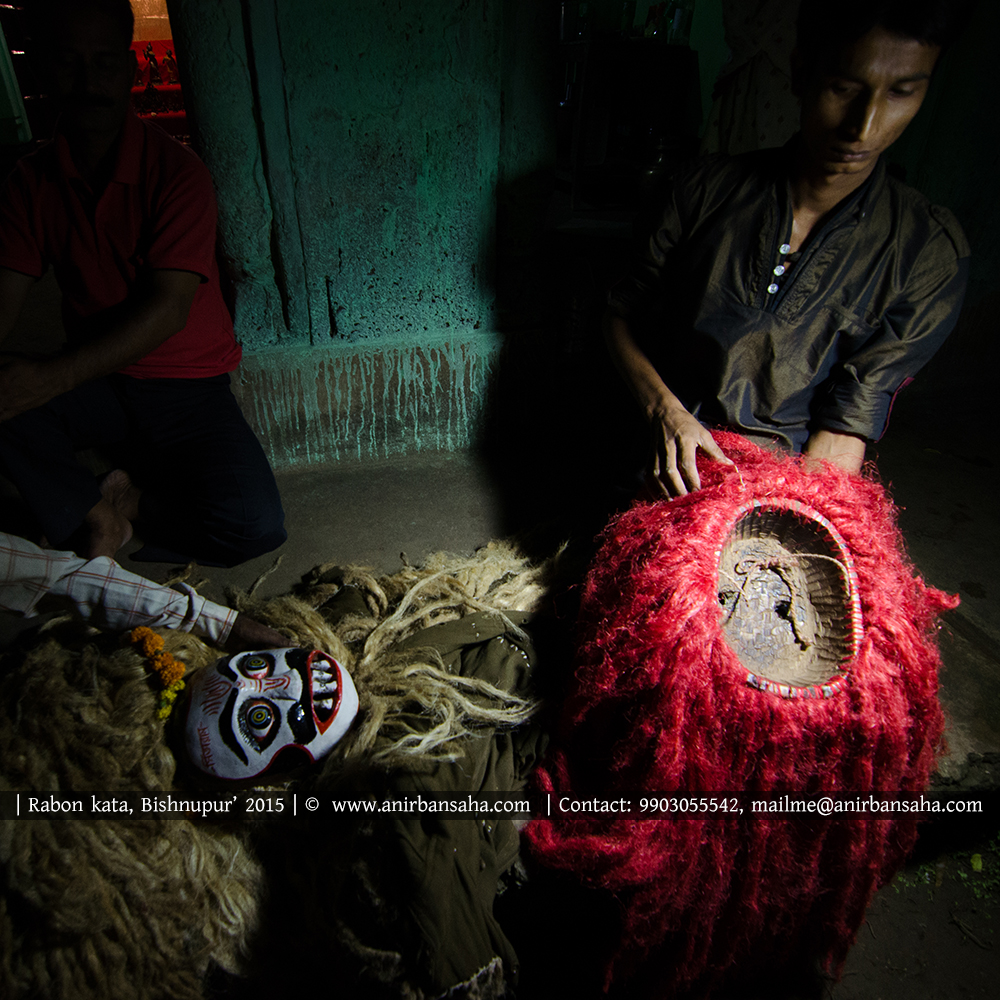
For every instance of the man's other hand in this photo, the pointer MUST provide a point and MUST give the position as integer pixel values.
(249, 634)
(844, 450)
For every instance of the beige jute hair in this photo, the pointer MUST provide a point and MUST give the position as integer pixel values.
(115, 909)
(107, 908)
(395, 685)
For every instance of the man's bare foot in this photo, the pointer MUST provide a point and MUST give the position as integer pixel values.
(119, 491)
(108, 530)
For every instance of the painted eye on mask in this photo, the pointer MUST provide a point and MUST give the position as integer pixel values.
(254, 705)
(257, 665)
(259, 723)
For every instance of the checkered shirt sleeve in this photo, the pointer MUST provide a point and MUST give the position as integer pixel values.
(102, 592)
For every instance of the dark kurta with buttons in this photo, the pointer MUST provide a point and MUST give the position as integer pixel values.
(748, 342)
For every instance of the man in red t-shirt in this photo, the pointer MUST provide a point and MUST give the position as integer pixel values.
(126, 217)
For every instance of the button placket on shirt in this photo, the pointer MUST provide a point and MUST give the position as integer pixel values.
(779, 269)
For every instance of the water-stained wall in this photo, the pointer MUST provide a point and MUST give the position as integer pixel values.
(356, 151)
(316, 404)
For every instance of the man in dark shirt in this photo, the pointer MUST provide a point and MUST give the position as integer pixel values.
(790, 293)
(126, 217)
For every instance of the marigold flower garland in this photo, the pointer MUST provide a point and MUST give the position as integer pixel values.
(169, 670)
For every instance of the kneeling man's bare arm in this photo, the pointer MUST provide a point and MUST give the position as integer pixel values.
(143, 324)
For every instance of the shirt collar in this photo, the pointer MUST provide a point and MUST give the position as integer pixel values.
(129, 152)
(859, 202)
(870, 191)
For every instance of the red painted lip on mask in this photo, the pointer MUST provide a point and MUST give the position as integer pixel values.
(322, 715)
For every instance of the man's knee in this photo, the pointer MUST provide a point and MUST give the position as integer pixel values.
(259, 531)
(266, 535)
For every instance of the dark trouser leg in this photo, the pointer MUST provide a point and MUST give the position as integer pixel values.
(208, 490)
(37, 453)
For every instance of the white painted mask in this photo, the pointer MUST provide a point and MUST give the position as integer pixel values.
(246, 709)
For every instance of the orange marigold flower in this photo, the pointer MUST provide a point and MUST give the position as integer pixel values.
(152, 644)
(170, 673)
(168, 670)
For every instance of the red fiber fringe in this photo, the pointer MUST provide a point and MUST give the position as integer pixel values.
(659, 702)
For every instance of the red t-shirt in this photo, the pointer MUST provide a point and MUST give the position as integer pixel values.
(157, 212)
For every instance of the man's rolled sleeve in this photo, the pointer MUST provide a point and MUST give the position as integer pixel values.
(102, 592)
(183, 236)
(863, 387)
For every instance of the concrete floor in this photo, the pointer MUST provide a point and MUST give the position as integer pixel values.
(940, 466)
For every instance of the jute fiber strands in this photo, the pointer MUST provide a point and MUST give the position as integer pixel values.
(129, 910)
(106, 908)
(660, 701)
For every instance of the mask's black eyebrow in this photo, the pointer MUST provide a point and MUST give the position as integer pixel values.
(225, 669)
(226, 728)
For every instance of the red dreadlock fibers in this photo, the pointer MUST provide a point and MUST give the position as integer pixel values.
(660, 701)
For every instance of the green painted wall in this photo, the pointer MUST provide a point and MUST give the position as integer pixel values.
(356, 150)
(213, 56)
(318, 404)
(393, 123)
